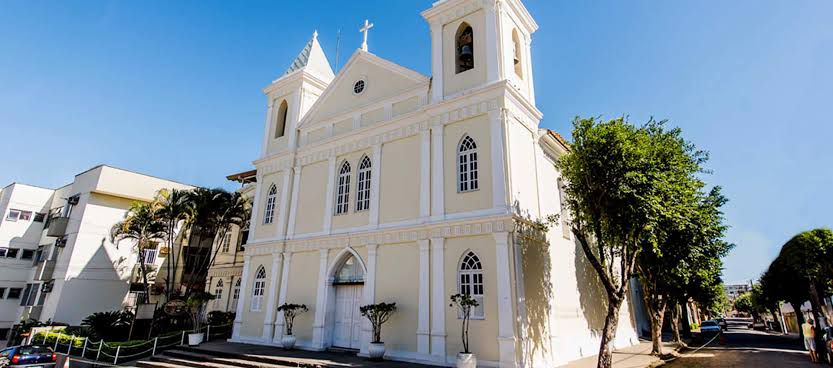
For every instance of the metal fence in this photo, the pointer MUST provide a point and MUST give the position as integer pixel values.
(114, 352)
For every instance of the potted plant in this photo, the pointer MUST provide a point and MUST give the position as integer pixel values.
(378, 314)
(196, 305)
(465, 303)
(290, 311)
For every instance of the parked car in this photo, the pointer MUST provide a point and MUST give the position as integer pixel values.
(710, 327)
(29, 356)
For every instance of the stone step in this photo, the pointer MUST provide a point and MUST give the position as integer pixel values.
(152, 364)
(236, 362)
(165, 358)
(276, 360)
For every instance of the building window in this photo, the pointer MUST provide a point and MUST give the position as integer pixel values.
(464, 48)
(27, 254)
(2, 293)
(30, 294)
(13, 215)
(39, 217)
(359, 86)
(470, 281)
(226, 242)
(14, 293)
(236, 294)
(350, 272)
(257, 290)
(363, 191)
(8, 252)
(516, 54)
(343, 197)
(467, 165)
(269, 213)
(4, 334)
(280, 122)
(218, 291)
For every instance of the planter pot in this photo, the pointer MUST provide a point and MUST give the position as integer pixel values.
(376, 350)
(466, 360)
(195, 339)
(288, 341)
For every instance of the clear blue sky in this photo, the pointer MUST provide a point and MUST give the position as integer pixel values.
(173, 88)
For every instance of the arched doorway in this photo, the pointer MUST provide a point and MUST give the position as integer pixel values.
(348, 285)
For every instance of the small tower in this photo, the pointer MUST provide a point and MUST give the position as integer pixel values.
(291, 95)
(480, 42)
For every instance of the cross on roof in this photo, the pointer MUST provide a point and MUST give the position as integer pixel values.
(367, 26)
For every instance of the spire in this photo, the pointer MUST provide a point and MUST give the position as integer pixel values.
(313, 60)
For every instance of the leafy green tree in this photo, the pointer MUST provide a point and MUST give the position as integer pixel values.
(805, 255)
(743, 303)
(173, 210)
(618, 180)
(142, 227)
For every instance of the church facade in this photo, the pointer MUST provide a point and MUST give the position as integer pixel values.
(380, 184)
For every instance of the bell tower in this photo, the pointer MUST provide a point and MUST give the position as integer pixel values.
(475, 43)
(291, 95)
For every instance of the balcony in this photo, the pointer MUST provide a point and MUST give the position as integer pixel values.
(45, 270)
(57, 226)
(31, 312)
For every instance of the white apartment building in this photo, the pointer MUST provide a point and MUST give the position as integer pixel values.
(58, 262)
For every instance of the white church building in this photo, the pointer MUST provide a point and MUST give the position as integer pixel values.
(380, 184)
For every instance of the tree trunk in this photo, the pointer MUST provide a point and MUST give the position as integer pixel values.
(146, 297)
(686, 324)
(675, 324)
(609, 332)
(799, 317)
(656, 312)
(818, 308)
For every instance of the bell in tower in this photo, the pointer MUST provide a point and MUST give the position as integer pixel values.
(465, 48)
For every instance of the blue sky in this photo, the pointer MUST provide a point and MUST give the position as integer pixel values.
(173, 88)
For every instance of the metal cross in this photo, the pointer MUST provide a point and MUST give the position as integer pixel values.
(367, 26)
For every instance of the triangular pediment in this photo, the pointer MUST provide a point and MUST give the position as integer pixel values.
(382, 80)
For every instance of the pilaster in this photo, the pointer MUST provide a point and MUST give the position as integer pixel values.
(425, 174)
(241, 302)
(293, 204)
(506, 331)
(283, 206)
(437, 174)
(438, 306)
(329, 197)
(318, 332)
(436, 62)
(424, 308)
(497, 127)
(269, 316)
(369, 294)
(279, 321)
(375, 176)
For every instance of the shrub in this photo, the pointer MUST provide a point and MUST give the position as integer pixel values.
(113, 325)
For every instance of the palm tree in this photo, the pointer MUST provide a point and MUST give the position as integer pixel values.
(142, 227)
(206, 204)
(234, 210)
(172, 207)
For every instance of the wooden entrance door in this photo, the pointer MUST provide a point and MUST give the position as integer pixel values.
(348, 320)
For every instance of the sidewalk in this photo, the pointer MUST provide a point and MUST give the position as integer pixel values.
(636, 356)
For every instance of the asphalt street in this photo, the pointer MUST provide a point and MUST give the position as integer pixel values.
(746, 348)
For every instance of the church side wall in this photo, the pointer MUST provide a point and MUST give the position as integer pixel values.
(522, 164)
(253, 321)
(312, 193)
(397, 272)
(480, 199)
(482, 332)
(399, 182)
(262, 230)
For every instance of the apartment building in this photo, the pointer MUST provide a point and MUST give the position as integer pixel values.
(58, 262)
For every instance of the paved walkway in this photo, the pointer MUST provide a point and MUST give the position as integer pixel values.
(636, 356)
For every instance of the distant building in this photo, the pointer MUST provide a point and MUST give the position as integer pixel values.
(56, 259)
(736, 290)
(225, 273)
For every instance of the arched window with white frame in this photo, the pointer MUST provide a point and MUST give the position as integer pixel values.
(343, 195)
(363, 183)
(235, 295)
(218, 291)
(470, 281)
(269, 211)
(517, 54)
(467, 165)
(258, 288)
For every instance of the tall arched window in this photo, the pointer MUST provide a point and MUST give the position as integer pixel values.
(258, 288)
(218, 290)
(343, 197)
(470, 281)
(517, 54)
(363, 191)
(280, 121)
(467, 165)
(269, 211)
(464, 48)
(235, 295)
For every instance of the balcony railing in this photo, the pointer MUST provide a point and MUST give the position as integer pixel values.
(57, 226)
(44, 270)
